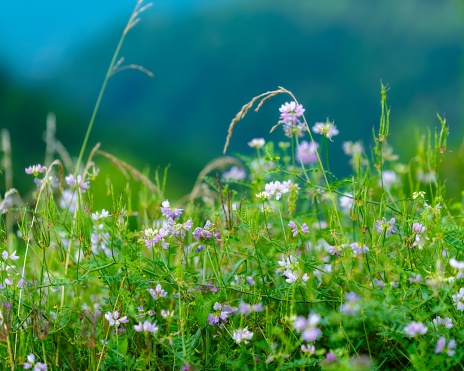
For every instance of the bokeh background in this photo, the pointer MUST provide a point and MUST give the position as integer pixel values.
(210, 57)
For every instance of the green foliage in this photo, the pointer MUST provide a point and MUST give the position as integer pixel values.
(277, 266)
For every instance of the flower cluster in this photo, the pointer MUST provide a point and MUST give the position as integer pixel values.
(207, 233)
(351, 305)
(382, 226)
(157, 292)
(458, 299)
(276, 189)
(442, 347)
(306, 152)
(171, 228)
(246, 309)
(327, 129)
(291, 271)
(146, 326)
(445, 322)
(257, 143)
(75, 183)
(289, 117)
(114, 320)
(415, 328)
(32, 364)
(221, 314)
(417, 229)
(242, 335)
(234, 173)
(36, 170)
(308, 327)
(295, 230)
(169, 212)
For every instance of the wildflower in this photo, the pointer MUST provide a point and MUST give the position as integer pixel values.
(459, 299)
(242, 335)
(306, 152)
(289, 262)
(79, 182)
(382, 226)
(6, 256)
(446, 322)
(158, 292)
(289, 113)
(304, 228)
(208, 232)
(352, 149)
(308, 327)
(277, 189)
(379, 283)
(221, 314)
(418, 228)
(327, 129)
(389, 178)
(257, 143)
(114, 320)
(417, 279)
(147, 326)
(358, 249)
(309, 348)
(346, 202)
(291, 276)
(97, 216)
(36, 169)
(443, 348)
(351, 306)
(168, 212)
(234, 173)
(415, 328)
(32, 364)
(167, 313)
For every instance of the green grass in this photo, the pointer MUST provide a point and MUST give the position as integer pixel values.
(330, 274)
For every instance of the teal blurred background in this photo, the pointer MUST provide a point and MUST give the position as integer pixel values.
(209, 58)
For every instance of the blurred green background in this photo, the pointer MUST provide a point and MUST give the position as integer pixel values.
(209, 58)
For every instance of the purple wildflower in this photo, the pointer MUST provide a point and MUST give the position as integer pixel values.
(30, 363)
(157, 292)
(351, 306)
(415, 328)
(114, 320)
(308, 327)
(443, 348)
(234, 173)
(168, 212)
(147, 326)
(36, 169)
(382, 226)
(79, 182)
(289, 113)
(306, 152)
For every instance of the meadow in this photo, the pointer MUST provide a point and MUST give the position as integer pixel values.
(270, 263)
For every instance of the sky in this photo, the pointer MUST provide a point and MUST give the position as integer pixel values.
(37, 35)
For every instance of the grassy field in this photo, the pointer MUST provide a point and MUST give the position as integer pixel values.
(270, 263)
